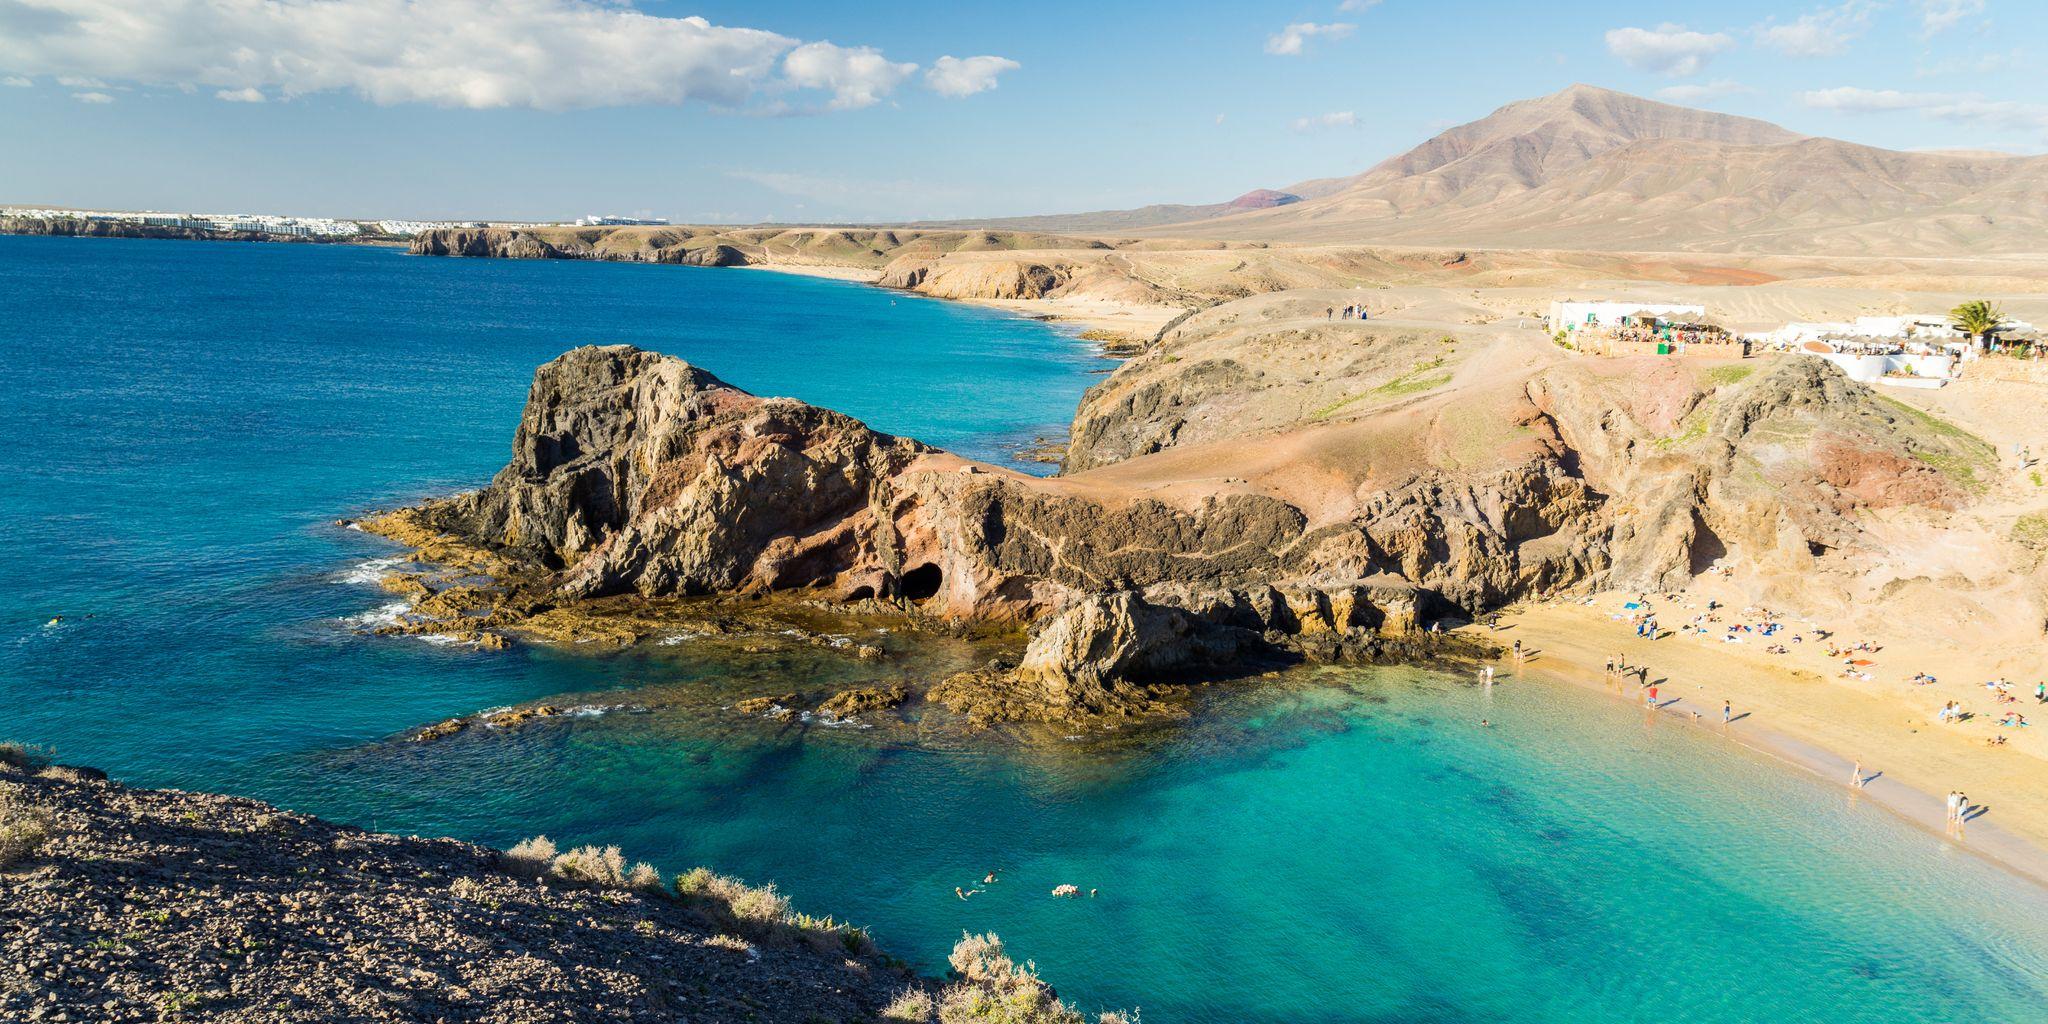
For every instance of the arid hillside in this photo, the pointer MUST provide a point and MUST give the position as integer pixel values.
(1589, 168)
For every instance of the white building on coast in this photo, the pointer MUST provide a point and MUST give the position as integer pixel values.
(1574, 316)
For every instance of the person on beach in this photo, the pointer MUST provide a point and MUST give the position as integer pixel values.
(2041, 693)
(1856, 776)
(1727, 713)
(1652, 698)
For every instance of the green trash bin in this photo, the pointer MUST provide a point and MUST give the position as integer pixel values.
(1663, 348)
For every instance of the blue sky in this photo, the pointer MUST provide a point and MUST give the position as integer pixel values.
(800, 111)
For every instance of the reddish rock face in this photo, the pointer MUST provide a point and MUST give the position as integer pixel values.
(1263, 198)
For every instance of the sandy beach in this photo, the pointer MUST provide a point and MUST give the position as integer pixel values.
(1799, 707)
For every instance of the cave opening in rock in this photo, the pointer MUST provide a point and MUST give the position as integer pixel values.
(921, 582)
(1706, 548)
(861, 593)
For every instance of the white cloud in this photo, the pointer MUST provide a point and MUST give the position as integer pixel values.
(965, 76)
(1290, 41)
(1958, 108)
(1325, 122)
(1358, 5)
(1937, 16)
(241, 95)
(858, 76)
(544, 54)
(1694, 93)
(17, 81)
(92, 97)
(1822, 33)
(1668, 49)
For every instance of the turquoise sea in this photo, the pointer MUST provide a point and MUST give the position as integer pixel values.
(186, 420)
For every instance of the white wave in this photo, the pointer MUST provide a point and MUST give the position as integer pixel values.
(679, 638)
(825, 721)
(383, 615)
(600, 710)
(371, 572)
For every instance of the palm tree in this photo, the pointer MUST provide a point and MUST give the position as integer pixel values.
(1978, 319)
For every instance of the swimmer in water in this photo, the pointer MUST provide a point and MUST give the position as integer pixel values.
(989, 879)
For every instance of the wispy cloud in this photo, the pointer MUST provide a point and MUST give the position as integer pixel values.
(241, 95)
(1325, 122)
(540, 54)
(1349, 6)
(1668, 49)
(17, 81)
(92, 97)
(1292, 40)
(863, 197)
(1958, 108)
(1938, 16)
(1697, 93)
(965, 76)
(1821, 33)
(1971, 63)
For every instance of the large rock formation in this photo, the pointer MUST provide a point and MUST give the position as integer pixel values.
(1255, 483)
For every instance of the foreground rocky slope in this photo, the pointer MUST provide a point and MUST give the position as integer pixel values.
(142, 905)
(147, 905)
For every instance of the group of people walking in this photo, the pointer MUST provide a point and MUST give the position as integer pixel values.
(1354, 311)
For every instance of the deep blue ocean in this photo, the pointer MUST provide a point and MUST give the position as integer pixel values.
(186, 420)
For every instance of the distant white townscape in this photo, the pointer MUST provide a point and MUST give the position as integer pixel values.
(414, 227)
(606, 221)
(269, 224)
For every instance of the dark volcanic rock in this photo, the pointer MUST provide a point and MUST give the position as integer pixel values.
(149, 905)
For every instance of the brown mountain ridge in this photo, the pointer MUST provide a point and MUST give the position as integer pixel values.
(1591, 168)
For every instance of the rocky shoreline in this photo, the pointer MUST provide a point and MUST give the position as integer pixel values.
(1262, 486)
(639, 480)
(145, 905)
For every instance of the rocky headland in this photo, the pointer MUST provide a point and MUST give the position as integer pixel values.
(1263, 485)
(145, 905)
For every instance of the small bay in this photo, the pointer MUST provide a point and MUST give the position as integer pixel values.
(187, 421)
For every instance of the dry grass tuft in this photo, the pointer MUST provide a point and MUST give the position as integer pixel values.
(24, 757)
(764, 915)
(24, 828)
(530, 859)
